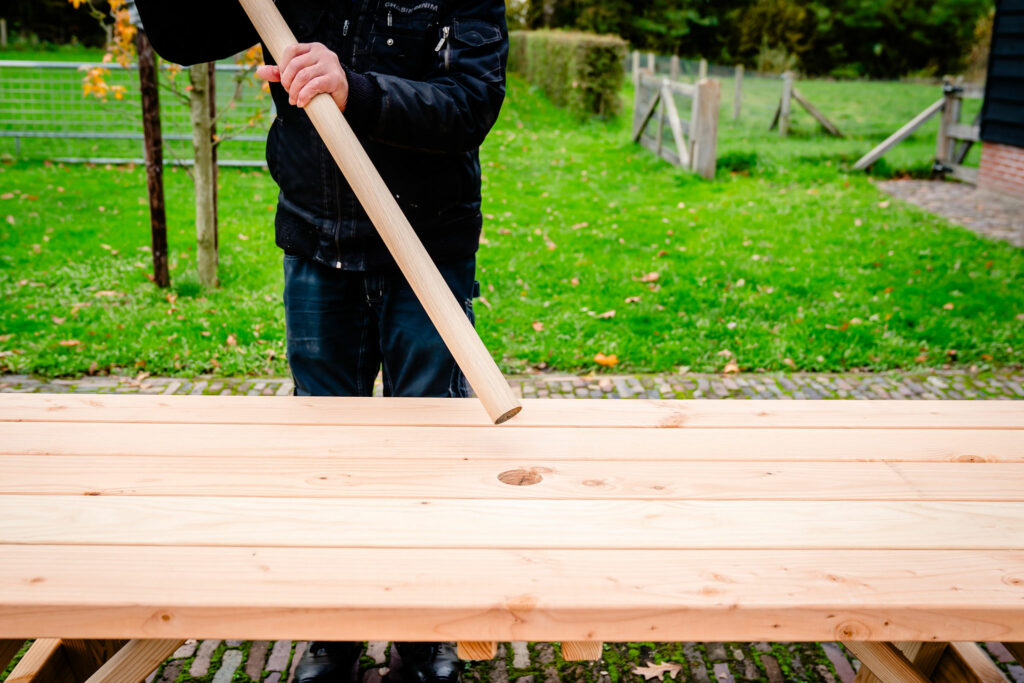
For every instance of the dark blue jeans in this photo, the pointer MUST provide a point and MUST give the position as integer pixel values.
(344, 326)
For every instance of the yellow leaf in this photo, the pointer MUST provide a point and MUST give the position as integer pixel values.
(606, 361)
(948, 306)
(538, 326)
(606, 315)
(69, 342)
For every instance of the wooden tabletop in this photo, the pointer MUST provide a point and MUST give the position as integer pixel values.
(415, 519)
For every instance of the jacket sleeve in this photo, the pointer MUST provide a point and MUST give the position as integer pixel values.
(193, 31)
(455, 106)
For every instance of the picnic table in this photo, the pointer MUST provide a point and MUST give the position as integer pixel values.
(895, 527)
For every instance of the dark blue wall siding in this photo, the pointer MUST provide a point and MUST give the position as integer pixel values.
(1002, 118)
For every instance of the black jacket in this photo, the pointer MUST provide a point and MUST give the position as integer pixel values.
(426, 79)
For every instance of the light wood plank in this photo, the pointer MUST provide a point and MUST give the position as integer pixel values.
(324, 477)
(270, 441)
(581, 650)
(477, 649)
(440, 523)
(450, 594)
(963, 131)
(575, 413)
(886, 662)
(979, 663)
(136, 660)
(43, 663)
(9, 648)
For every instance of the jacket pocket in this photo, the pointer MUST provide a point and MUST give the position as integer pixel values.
(401, 38)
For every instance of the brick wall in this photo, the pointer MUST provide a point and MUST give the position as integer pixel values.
(1002, 169)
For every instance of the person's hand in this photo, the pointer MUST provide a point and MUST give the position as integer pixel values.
(308, 69)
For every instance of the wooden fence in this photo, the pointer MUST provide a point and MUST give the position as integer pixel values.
(690, 144)
(954, 139)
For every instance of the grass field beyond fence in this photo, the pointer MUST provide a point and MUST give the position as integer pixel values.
(591, 246)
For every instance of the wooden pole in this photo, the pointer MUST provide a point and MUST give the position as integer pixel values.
(581, 650)
(702, 69)
(202, 174)
(944, 144)
(3, 33)
(636, 69)
(705, 127)
(153, 137)
(476, 650)
(673, 70)
(651, 63)
(737, 97)
(784, 104)
(415, 263)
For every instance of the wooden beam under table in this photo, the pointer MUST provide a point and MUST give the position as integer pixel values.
(924, 656)
(44, 662)
(886, 662)
(477, 649)
(1017, 650)
(581, 650)
(136, 660)
(979, 666)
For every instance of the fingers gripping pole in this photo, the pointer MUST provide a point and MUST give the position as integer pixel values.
(416, 265)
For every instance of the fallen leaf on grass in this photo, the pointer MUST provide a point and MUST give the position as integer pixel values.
(731, 368)
(6, 337)
(232, 340)
(606, 315)
(788, 362)
(632, 299)
(107, 292)
(69, 342)
(538, 326)
(649, 277)
(575, 282)
(948, 306)
(658, 671)
(57, 321)
(606, 361)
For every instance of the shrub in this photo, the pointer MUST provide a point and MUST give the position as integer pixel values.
(582, 72)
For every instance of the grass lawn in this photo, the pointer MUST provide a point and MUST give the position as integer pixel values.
(786, 261)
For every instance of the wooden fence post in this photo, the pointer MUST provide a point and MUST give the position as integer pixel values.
(784, 104)
(705, 127)
(636, 69)
(3, 33)
(944, 145)
(702, 69)
(673, 70)
(651, 64)
(738, 93)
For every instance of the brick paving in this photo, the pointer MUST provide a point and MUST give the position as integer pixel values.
(991, 215)
(274, 662)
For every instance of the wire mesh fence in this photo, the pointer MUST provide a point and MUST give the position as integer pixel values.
(44, 114)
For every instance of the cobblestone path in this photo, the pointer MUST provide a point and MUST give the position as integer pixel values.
(233, 661)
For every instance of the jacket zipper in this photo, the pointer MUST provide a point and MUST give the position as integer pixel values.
(444, 38)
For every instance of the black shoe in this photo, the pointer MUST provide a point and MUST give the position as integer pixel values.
(429, 663)
(325, 662)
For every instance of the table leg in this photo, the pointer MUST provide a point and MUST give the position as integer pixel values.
(967, 663)
(135, 661)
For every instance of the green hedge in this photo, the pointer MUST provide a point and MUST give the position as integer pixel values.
(582, 72)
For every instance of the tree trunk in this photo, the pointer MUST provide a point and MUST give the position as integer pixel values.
(202, 147)
(213, 152)
(154, 157)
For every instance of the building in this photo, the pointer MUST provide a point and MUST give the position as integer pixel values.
(1002, 116)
